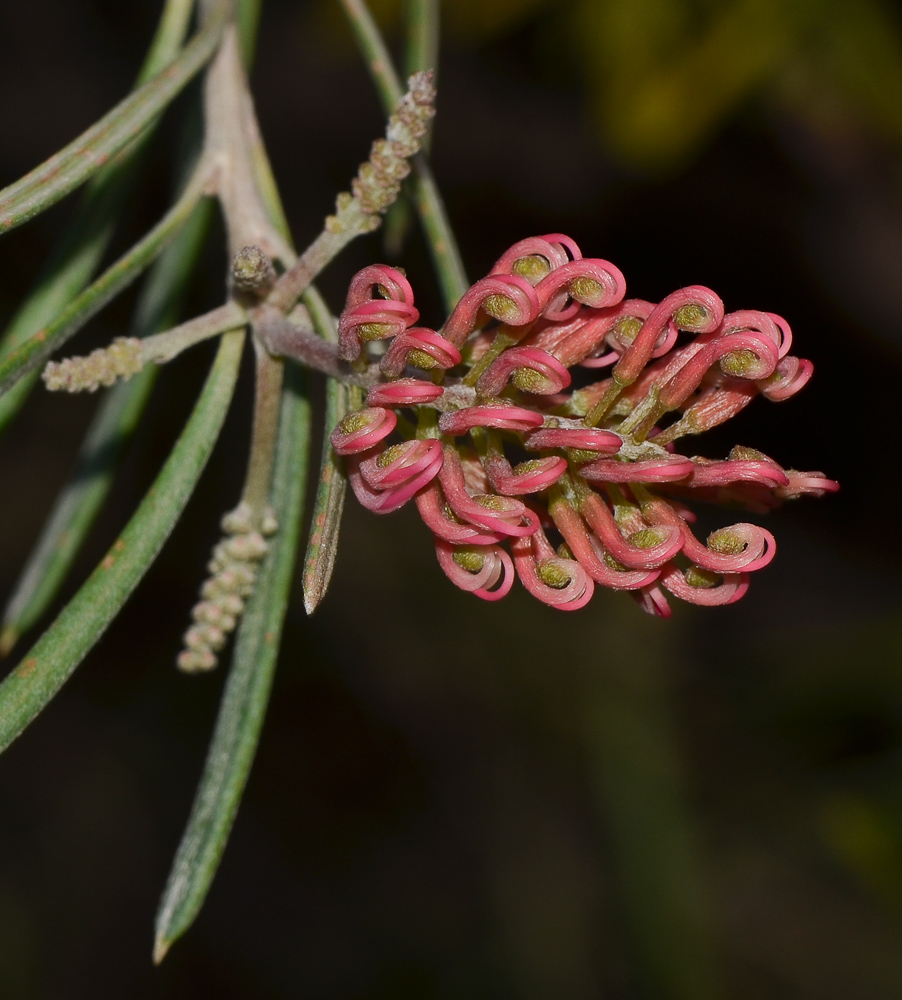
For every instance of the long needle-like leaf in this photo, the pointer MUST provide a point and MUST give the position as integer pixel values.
(247, 690)
(322, 544)
(84, 243)
(84, 156)
(328, 506)
(49, 663)
(112, 428)
(40, 345)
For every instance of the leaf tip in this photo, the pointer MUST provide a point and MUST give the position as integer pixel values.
(160, 948)
(311, 599)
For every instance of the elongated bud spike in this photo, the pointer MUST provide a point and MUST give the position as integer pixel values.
(122, 359)
(233, 571)
(378, 181)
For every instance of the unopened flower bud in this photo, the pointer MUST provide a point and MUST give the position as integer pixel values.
(252, 272)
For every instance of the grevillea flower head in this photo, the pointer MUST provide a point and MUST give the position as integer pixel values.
(517, 472)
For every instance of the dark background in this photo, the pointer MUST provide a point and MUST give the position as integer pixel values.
(460, 799)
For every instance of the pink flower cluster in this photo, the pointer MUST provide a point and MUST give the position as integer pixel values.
(518, 474)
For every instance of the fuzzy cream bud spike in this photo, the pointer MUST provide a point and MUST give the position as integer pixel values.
(233, 570)
(122, 359)
(378, 181)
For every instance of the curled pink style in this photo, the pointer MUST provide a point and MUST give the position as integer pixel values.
(645, 548)
(384, 501)
(379, 282)
(532, 370)
(748, 355)
(505, 297)
(377, 319)
(753, 320)
(428, 349)
(477, 570)
(556, 249)
(534, 258)
(785, 331)
(403, 392)
(652, 470)
(706, 473)
(745, 547)
(737, 547)
(730, 588)
(790, 375)
(497, 514)
(500, 416)
(805, 484)
(401, 463)
(616, 329)
(583, 438)
(652, 601)
(589, 553)
(565, 243)
(562, 583)
(441, 521)
(628, 320)
(525, 478)
(362, 430)
(588, 281)
(695, 308)
(621, 326)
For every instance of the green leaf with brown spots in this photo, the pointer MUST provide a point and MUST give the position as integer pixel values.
(83, 245)
(40, 345)
(50, 662)
(248, 686)
(117, 418)
(74, 164)
(322, 544)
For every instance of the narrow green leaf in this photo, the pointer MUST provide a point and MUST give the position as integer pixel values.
(248, 686)
(83, 496)
(40, 345)
(76, 507)
(168, 38)
(49, 663)
(73, 165)
(66, 274)
(82, 247)
(247, 16)
(421, 50)
(322, 544)
(375, 52)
